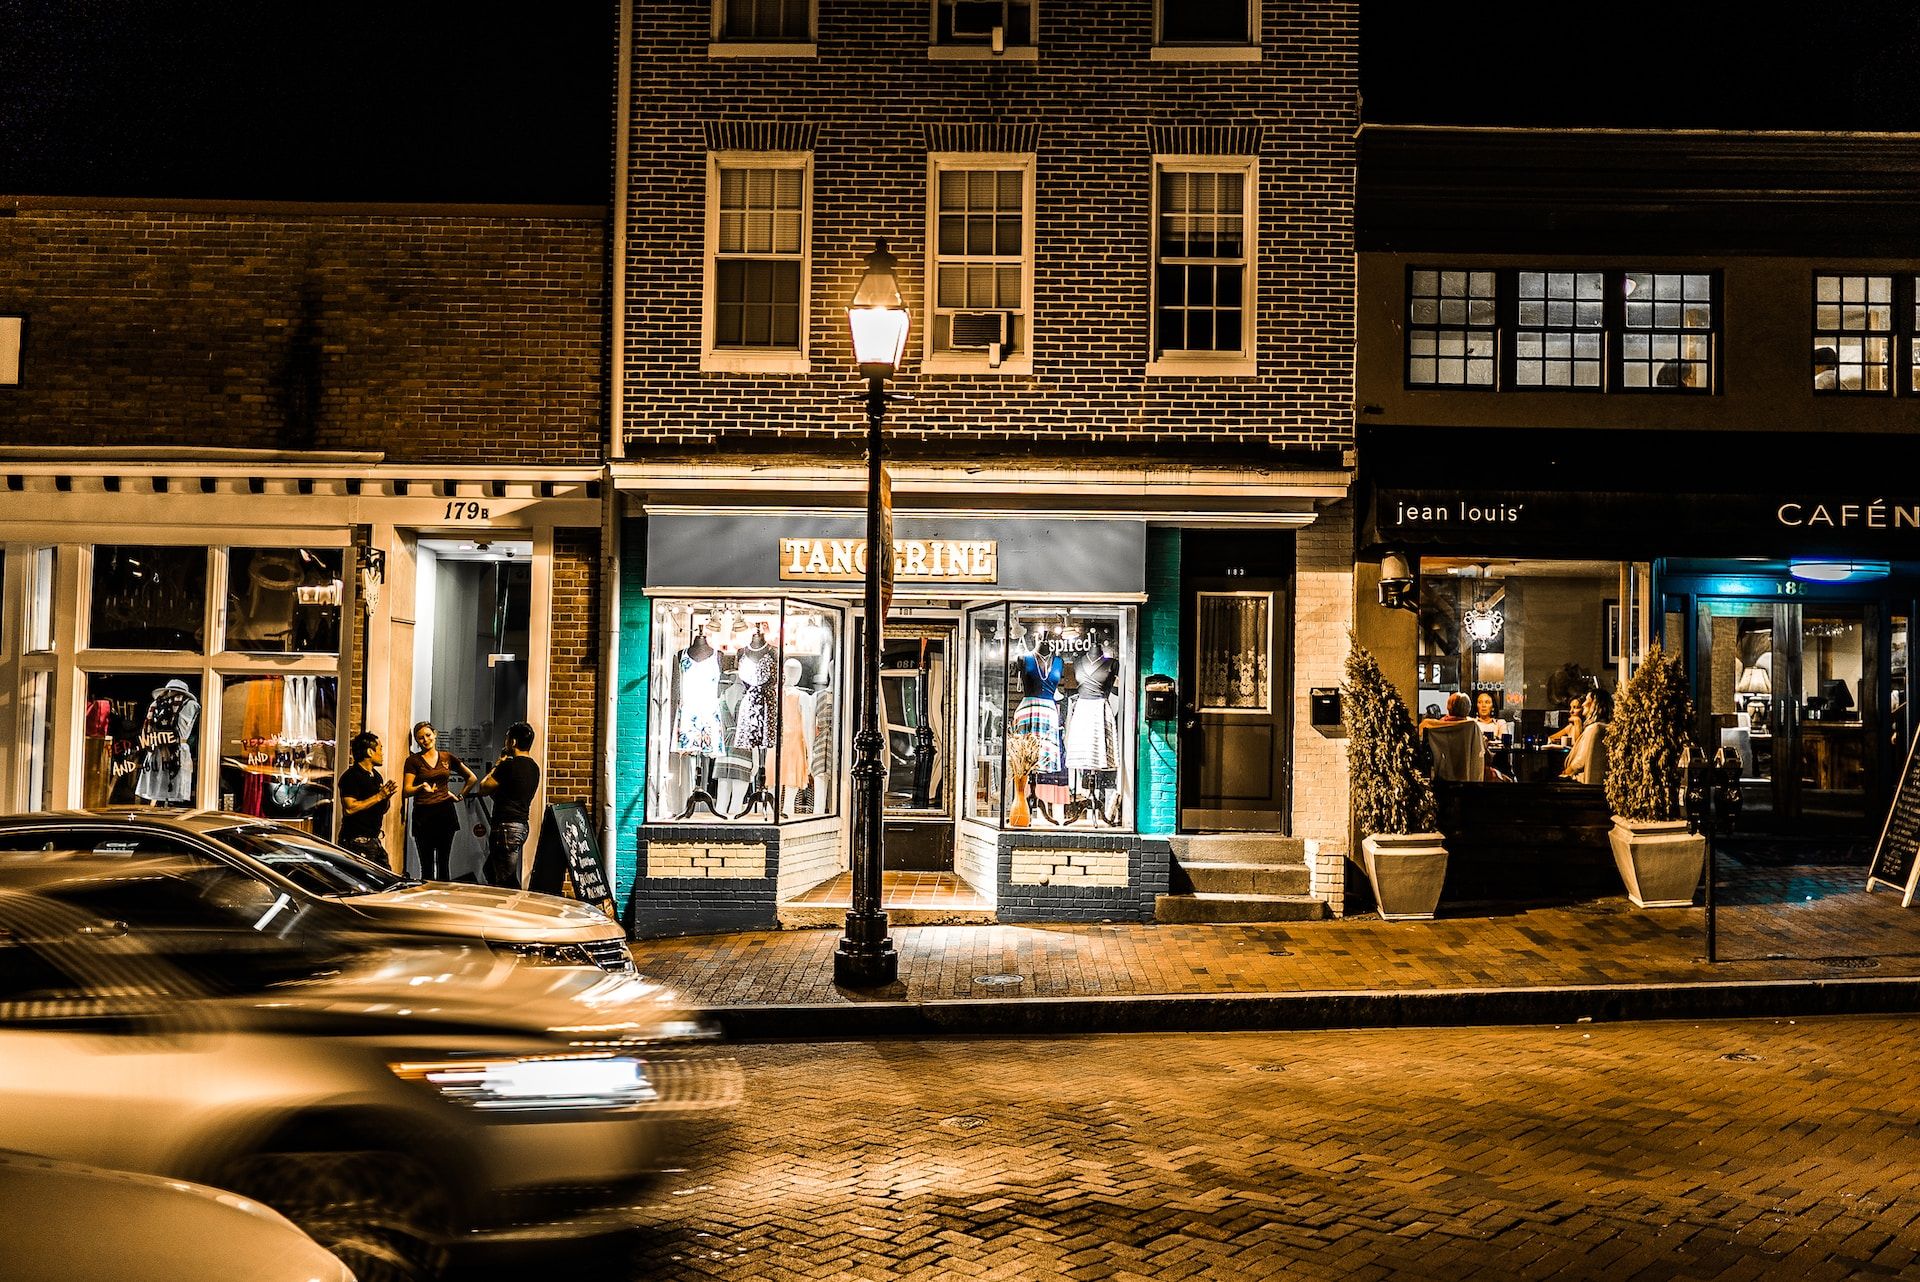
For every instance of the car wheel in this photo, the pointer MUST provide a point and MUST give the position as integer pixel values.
(384, 1214)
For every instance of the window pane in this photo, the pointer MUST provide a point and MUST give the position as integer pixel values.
(1451, 312)
(143, 732)
(148, 598)
(40, 586)
(770, 20)
(284, 600)
(1851, 352)
(38, 738)
(277, 757)
(1203, 22)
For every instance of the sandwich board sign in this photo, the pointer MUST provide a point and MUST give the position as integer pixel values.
(1896, 859)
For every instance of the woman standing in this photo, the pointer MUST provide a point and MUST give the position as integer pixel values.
(436, 818)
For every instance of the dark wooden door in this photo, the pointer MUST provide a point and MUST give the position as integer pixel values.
(1235, 683)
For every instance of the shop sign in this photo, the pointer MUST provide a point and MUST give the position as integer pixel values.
(813, 560)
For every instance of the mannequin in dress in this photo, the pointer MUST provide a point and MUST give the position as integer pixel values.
(795, 719)
(698, 730)
(733, 768)
(820, 741)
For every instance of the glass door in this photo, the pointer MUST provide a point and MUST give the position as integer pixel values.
(1736, 674)
(917, 719)
(1834, 707)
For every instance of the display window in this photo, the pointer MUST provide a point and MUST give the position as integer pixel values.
(142, 739)
(283, 600)
(39, 638)
(148, 598)
(39, 739)
(277, 748)
(746, 711)
(1050, 723)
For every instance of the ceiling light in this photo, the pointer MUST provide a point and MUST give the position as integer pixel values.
(1838, 571)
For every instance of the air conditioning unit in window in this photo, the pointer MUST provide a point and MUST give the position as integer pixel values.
(982, 20)
(989, 332)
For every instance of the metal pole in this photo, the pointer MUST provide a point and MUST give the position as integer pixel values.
(865, 957)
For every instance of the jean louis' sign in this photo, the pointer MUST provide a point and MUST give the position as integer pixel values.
(914, 560)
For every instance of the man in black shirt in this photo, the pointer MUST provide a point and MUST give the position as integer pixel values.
(364, 798)
(514, 779)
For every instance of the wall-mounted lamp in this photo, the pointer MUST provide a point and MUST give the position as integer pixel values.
(372, 562)
(1396, 583)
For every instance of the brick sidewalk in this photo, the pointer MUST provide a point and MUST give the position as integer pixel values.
(1791, 924)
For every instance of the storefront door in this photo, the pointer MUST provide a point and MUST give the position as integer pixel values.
(1234, 752)
(917, 673)
(1793, 690)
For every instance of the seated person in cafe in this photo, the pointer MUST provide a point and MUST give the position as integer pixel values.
(1587, 762)
(1458, 745)
(1487, 714)
(1569, 734)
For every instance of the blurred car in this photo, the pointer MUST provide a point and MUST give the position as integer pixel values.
(398, 1104)
(61, 1220)
(341, 890)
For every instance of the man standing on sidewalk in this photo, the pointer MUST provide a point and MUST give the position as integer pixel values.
(365, 797)
(514, 779)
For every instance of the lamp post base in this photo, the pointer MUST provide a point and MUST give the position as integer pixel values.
(865, 957)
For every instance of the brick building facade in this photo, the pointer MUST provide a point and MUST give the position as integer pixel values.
(236, 425)
(1137, 222)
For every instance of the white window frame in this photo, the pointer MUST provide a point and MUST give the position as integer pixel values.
(1019, 361)
(1246, 361)
(1248, 52)
(720, 47)
(937, 52)
(740, 360)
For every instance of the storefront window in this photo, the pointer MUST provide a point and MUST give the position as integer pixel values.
(40, 602)
(142, 737)
(988, 737)
(148, 598)
(1067, 744)
(39, 740)
(277, 742)
(1523, 640)
(745, 714)
(283, 600)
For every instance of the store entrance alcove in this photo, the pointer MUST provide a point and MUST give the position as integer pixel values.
(908, 898)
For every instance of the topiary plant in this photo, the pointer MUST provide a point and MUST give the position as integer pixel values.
(1647, 739)
(1390, 795)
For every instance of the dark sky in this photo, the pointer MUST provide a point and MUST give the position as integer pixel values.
(402, 100)
(1844, 65)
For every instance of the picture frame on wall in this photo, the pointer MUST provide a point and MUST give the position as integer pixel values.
(1610, 638)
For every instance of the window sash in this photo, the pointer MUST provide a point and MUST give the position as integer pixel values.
(766, 21)
(1852, 333)
(1205, 22)
(1201, 239)
(981, 241)
(759, 256)
(1452, 327)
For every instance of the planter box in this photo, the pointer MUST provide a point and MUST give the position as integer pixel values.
(1407, 871)
(1659, 862)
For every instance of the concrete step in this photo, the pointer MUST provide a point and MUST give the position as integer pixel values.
(1208, 909)
(1244, 879)
(1238, 848)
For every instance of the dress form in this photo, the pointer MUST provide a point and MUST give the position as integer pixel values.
(699, 652)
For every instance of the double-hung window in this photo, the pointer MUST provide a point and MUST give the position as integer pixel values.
(757, 261)
(1452, 330)
(1667, 340)
(980, 238)
(983, 28)
(1853, 334)
(1203, 264)
(1559, 330)
(1204, 30)
(764, 27)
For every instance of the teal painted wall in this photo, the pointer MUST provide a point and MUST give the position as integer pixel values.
(630, 710)
(1157, 805)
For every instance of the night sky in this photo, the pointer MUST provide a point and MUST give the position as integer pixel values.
(429, 100)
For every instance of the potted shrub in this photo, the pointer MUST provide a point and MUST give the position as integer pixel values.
(1658, 859)
(1393, 804)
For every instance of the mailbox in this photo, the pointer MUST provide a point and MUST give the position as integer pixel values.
(1160, 699)
(1323, 708)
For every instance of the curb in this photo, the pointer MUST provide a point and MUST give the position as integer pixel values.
(1282, 1012)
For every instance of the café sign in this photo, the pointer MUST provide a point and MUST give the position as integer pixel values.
(816, 560)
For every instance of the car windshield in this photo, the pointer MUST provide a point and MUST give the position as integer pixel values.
(311, 864)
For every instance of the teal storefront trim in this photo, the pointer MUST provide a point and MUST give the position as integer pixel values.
(1157, 805)
(630, 719)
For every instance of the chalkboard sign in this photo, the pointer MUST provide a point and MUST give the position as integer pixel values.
(1896, 860)
(569, 854)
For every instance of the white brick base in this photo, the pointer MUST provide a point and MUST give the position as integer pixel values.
(690, 859)
(1033, 867)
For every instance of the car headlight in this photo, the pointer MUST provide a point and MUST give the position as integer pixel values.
(548, 954)
(539, 1082)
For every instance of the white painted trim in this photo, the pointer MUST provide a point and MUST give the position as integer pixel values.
(539, 682)
(758, 360)
(1249, 352)
(718, 22)
(1204, 53)
(932, 362)
(763, 49)
(1191, 365)
(1178, 52)
(980, 53)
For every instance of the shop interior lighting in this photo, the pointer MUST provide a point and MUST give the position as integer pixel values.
(1838, 571)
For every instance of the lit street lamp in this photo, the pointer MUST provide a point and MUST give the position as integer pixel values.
(878, 321)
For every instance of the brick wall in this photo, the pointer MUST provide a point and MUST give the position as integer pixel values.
(453, 336)
(1323, 614)
(865, 107)
(573, 683)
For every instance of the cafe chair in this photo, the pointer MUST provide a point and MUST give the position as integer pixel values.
(1459, 751)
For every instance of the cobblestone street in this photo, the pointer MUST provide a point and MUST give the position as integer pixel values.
(1738, 1150)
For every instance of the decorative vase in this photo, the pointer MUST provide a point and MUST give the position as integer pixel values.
(1407, 870)
(1659, 862)
(1018, 816)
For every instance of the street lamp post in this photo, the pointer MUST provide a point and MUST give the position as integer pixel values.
(878, 321)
